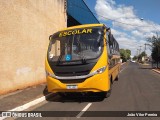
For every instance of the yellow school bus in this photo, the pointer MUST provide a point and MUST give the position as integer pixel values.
(82, 58)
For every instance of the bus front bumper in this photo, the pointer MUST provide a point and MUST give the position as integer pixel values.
(96, 83)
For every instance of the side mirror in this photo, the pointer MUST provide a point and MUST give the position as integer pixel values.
(50, 37)
(108, 29)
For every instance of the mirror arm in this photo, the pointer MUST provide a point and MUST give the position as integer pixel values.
(50, 37)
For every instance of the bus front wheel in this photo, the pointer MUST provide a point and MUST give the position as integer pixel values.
(108, 93)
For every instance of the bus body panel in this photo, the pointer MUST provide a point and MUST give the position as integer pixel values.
(47, 67)
(82, 26)
(114, 71)
(89, 85)
(97, 83)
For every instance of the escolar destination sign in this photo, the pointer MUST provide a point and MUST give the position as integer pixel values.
(74, 32)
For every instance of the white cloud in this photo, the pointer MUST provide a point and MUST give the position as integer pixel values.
(123, 14)
(129, 42)
(129, 30)
(118, 33)
(137, 33)
(108, 9)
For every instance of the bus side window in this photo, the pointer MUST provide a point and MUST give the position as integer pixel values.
(108, 47)
(110, 41)
(108, 50)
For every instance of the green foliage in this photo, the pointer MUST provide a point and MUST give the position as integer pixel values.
(128, 51)
(125, 54)
(156, 53)
(135, 58)
(155, 41)
(143, 54)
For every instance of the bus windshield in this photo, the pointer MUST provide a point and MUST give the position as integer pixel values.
(76, 45)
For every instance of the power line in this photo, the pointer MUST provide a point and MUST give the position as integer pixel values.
(109, 18)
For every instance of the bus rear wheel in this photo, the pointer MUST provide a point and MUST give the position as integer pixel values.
(117, 78)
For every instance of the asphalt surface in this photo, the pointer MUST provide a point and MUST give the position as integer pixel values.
(138, 89)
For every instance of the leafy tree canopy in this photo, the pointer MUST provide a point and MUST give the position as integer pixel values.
(125, 54)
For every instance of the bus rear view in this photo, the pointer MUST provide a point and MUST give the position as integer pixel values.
(77, 60)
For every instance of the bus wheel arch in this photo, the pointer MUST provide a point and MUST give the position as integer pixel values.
(117, 77)
(110, 82)
(108, 93)
(111, 79)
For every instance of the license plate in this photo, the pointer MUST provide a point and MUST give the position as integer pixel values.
(72, 87)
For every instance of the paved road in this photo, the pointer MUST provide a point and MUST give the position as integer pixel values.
(138, 89)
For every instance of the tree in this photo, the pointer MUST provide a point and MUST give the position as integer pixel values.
(135, 58)
(125, 54)
(128, 54)
(140, 56)
(155, 44)
(156, 55)
(128, 51)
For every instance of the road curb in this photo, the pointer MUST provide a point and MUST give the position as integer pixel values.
(123, 63)
(143, 64)
(156, 71)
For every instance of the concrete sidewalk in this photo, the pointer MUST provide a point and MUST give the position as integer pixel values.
(21, 97)
(157, 71)
(150, 66)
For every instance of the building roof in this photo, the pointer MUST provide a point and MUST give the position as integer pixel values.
(80, 12)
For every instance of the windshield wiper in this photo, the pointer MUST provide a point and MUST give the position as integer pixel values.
(60, 57)
(81, 55)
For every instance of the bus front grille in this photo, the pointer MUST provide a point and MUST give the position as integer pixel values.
(72, 81)
(73, 73)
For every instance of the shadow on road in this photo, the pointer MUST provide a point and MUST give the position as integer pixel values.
(73, 97)
(145, 68)
(45, 91)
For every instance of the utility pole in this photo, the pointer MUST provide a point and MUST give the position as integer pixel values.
(156, 34)
(140, 49)
(139, 58)
(145, 53)
(137, 52)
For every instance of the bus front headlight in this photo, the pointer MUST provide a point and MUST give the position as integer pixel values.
(101, 70)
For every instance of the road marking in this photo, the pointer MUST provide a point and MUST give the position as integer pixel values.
(28, 105)
(89, 104)
(123, 68)
(83, 111)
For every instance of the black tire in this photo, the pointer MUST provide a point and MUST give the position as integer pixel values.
(45, 91)
(108, 93)
(117, 78)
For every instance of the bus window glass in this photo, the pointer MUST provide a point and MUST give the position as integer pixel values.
(77, 46)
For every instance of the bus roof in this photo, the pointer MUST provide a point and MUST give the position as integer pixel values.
(82, 26)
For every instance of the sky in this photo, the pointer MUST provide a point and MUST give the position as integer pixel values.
(124, 19)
